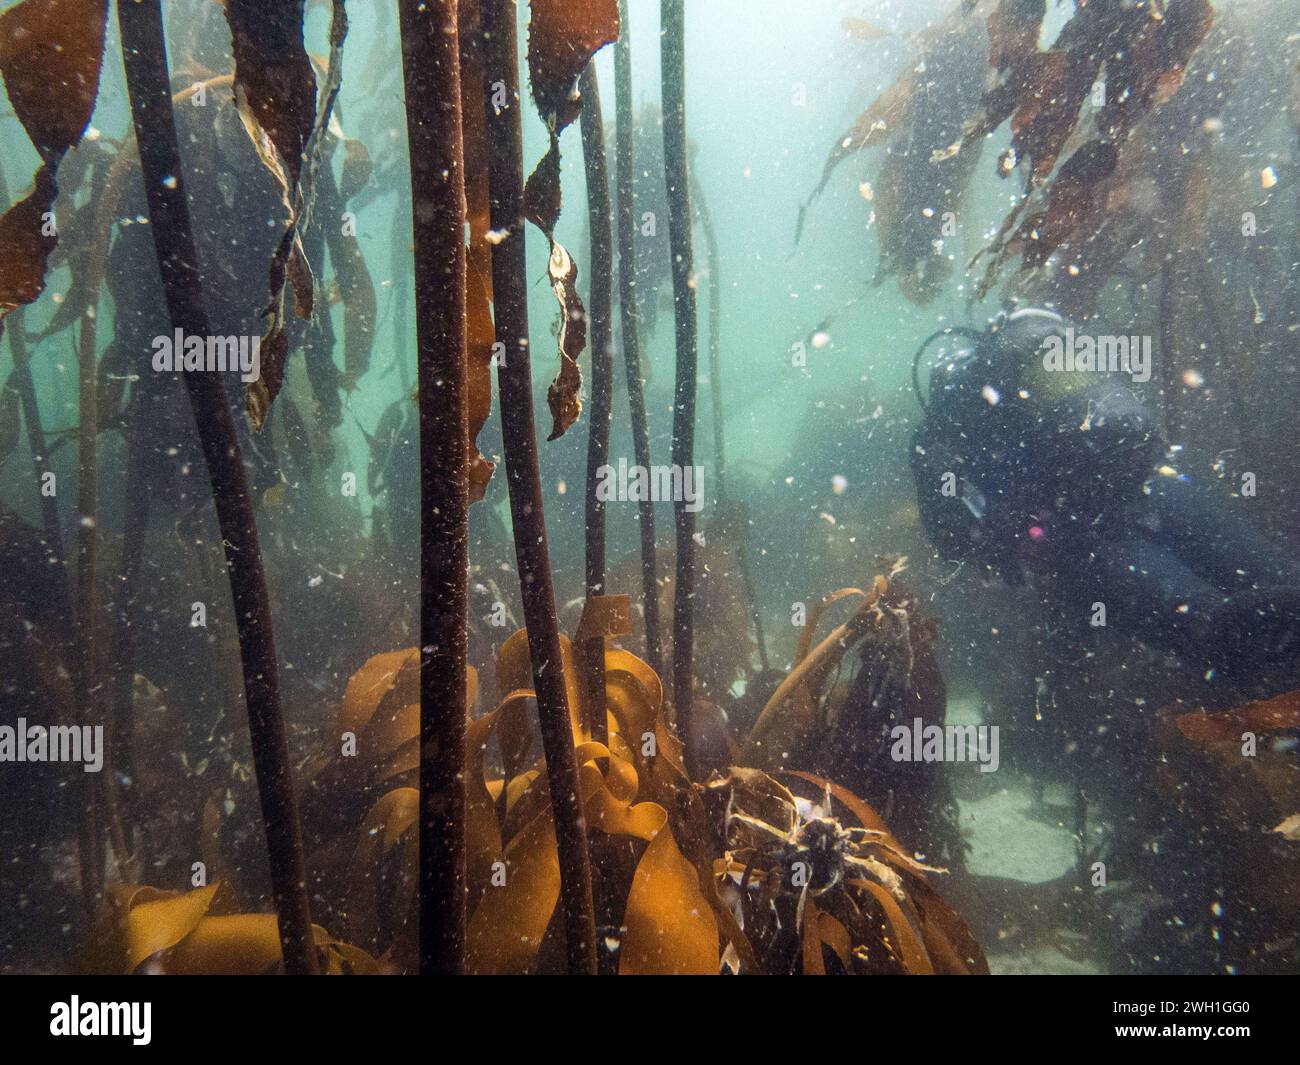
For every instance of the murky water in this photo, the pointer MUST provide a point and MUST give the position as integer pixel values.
(998, 313)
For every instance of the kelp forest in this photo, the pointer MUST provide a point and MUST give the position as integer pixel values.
(620, 487)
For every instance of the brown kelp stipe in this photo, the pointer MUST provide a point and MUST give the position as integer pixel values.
(514, 379)
(431, 68)
(599, 314)
(135, 527)
(624, 171)
(145, 58)
(673, 70)
(22, 378)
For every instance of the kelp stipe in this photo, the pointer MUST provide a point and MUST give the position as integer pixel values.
(673, 73)
(144, 55)
(592, 649)
(514, 377)
(40, 42)
(631, 328)
(431, 64)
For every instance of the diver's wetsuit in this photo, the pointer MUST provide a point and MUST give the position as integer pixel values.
(1075, 488)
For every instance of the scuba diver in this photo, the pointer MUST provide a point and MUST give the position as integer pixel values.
(1064, 475)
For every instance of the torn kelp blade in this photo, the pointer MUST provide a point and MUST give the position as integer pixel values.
(563, 35)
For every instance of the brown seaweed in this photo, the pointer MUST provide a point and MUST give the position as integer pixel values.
(672, 859)
(480, 336)
(151, 109)
(50, 57)
(592, 649)
(933, 137)
(46, 43)
(922, 181)
(431, 65)
(629, 322)
(514, 378)
(1142, 53)
(563, 35)
(275, 94)
(672, 64)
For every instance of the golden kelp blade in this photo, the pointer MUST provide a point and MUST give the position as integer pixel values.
(670, 926)
(139, 922)
(375, 907)
(147, 930)
(905, 936)
(787, 721)
(674, 920)
(248, 944)
(506, 928)
(515, 671)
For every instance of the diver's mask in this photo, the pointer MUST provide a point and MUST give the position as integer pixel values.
(1001, 361)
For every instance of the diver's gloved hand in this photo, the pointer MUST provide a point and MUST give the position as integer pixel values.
(1256, 630)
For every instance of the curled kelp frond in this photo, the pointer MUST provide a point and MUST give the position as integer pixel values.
(677, 867)
(1263, 716)
(1230, 777)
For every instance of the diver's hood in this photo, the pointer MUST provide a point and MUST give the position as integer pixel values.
(1013, 339)
(1003, 366)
